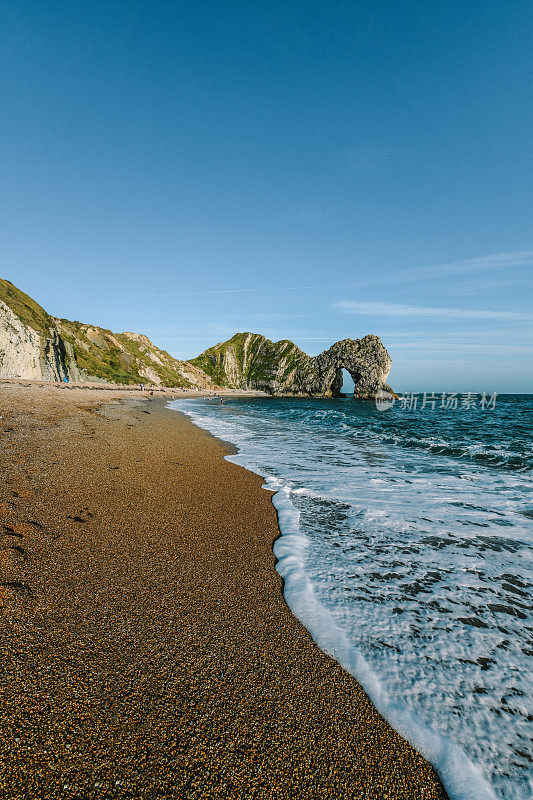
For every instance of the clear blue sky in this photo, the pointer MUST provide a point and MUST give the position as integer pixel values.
(308, 170)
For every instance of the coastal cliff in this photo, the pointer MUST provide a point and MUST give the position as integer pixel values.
(35, 345)
(30, 343)
(250, 361)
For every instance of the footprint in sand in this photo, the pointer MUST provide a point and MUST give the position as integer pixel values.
(8, 530)
(84, 516)
(34, 524)
(16, 549)
(15, 596)
(12, 557)
(17, 586)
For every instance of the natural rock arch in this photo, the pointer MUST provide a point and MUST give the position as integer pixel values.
(250, 361)
(366, 360)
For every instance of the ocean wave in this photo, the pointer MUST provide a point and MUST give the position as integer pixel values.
(408, 568)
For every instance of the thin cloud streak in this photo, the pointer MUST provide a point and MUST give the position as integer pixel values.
(470, 266)
(399, 310)
(465, 347)
(276, 289)
(521, 258)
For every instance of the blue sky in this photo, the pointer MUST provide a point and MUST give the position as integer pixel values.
(311, 171)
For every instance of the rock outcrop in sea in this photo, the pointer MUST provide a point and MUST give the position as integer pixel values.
(250, 361)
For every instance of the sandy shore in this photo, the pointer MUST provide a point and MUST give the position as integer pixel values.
(147, 649)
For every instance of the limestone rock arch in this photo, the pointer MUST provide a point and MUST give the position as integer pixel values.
(366, 360)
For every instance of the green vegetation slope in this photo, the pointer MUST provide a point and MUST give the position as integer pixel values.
(33, 344)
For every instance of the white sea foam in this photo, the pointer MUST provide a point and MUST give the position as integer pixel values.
(423, 532)
(462, 779)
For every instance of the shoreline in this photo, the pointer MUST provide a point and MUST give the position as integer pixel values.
(125, 390)
(150, 652)
(460, 776)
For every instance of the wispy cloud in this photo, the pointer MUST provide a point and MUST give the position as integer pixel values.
(504, 261)
(521, 258)
(400, 310)
(258, 290)
(472, 268)
(488, 348)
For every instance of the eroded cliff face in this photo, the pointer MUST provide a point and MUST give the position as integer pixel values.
(250, 361)
(35, 345)
(26, 352)
(127, 357)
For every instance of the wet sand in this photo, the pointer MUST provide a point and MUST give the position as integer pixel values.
(147, 648)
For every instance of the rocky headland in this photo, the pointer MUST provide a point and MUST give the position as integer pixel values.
(250, 361)
(35, 345)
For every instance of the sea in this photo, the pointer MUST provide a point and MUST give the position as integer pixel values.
(406, 553)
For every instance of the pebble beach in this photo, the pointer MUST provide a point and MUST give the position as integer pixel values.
(147, 648)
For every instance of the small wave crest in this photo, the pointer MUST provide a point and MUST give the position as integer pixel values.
(407, 571)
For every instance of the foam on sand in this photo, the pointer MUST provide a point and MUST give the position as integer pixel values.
(461, 778)
(404, 552)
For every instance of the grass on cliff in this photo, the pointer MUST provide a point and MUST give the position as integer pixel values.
(108, 362)
(262, 359)
(30, 312)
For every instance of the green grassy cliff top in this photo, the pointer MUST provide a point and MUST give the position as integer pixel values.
(30, 312)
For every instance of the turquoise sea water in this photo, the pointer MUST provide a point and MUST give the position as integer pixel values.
(407, 554)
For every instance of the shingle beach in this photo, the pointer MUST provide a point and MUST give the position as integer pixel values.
(147, 651)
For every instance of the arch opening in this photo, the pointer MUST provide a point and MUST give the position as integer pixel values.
(348, 385)
(344, 382)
